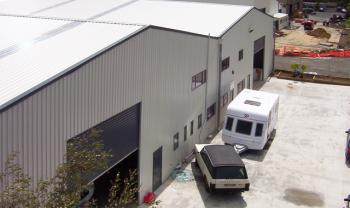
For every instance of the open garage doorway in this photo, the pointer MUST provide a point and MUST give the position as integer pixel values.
(120, 135)
(259, 60)
(104, 183)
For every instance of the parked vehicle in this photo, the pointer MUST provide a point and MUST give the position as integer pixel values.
(221, 166)
(339, 8)
(347, 148)
(250, 119)
(309, 11)
(308, 25)
(343, 10)
(321, 9)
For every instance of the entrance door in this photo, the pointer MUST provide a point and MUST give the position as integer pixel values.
(157, 168)
(258, 61)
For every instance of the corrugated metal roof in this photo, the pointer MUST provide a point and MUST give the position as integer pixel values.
(35, 28)
(193, 17)
(45, 49)
(199, 18)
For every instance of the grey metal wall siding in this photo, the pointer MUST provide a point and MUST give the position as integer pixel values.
(154, 67)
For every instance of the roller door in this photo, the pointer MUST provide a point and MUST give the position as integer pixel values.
(120, 135)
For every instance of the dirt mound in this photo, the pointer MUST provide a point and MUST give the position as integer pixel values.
(319, 33)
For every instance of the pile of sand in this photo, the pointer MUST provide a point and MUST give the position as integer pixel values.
(319, 33)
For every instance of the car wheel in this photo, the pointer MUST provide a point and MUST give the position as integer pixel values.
(208, 187)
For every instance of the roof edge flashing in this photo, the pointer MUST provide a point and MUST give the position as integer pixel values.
(234, 23)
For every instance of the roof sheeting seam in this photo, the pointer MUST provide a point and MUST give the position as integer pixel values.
(74, 20)
(51, 7)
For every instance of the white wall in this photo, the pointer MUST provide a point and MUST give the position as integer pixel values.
(240, 38)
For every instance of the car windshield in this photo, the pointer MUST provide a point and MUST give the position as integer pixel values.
(232, 172)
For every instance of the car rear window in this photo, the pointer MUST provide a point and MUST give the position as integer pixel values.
(233, 172)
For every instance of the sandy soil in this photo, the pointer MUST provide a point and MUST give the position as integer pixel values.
(300, 39)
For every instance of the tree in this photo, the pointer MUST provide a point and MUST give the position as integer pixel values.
(85, 155)
(123, 192)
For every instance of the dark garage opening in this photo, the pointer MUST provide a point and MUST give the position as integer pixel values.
(258, 61)
(104, 182)
(120, 136)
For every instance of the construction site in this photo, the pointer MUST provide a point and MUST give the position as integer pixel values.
(320, 48)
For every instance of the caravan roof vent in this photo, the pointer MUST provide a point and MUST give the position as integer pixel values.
(252, 102)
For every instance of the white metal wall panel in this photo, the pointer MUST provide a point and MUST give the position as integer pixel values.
(154, 67)
(239, 38)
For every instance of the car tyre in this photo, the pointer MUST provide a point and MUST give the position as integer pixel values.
(208, 187)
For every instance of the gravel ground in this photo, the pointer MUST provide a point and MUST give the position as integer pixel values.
(300, 39)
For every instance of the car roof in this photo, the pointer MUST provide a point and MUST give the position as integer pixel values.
(223, 155)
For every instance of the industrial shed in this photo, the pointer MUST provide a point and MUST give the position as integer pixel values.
(153, 83)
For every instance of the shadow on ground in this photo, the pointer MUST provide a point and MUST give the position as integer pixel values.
(216, 198)
(259, 155)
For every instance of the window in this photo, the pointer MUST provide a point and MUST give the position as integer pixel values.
(240, 55)
(199, 121)
(248, 81)
(191, 129)
(185, 133)
(244, 127)
(252, 102)
(211, 111)
(229, 123)
(176, 141)
(230, 172)
(240, 86)
(225, 99)
(199, 79)
(225, 63)
(232, 93)
(259, 128)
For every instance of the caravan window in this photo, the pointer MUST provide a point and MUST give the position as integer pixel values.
(244, 127)
(229, 123)
(258, 130)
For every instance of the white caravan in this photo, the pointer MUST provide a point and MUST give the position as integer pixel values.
(250, 119)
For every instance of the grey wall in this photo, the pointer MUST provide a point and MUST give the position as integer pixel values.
(333, 66)
(154, 67)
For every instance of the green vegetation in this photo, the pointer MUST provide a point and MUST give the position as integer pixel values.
(298, 70)
(85, 155)
(347, 23)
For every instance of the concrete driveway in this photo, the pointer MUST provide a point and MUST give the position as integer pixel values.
(302, 167)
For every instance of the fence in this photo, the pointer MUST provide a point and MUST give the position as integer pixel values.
(331, 66)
